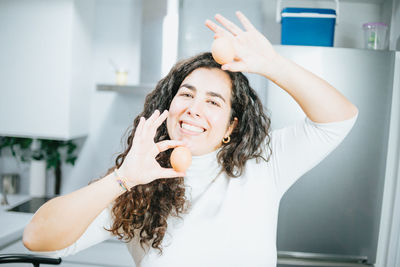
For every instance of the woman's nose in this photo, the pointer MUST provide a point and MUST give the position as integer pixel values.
(195, 109)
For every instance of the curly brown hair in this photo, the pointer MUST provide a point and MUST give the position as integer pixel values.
(144, 210)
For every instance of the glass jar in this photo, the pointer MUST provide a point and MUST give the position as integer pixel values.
(375, 35)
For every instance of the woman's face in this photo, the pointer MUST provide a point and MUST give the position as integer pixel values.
(201, 109)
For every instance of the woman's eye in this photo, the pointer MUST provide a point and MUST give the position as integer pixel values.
(213, 103)
(186, 94)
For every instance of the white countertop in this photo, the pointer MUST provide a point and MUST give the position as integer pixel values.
(12, 224)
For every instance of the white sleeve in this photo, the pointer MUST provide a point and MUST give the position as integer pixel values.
(297, 149)
(93, 235)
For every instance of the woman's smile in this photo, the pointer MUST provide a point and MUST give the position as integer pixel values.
(190, 128)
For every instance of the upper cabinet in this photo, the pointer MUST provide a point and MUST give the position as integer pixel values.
(46, 63)
(195, 37)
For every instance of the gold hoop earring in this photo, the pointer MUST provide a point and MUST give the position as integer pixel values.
(226, 140)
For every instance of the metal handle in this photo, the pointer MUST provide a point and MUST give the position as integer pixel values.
(278, 11)
(320, 259)
(36, 260)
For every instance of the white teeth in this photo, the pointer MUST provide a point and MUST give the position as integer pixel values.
(192, 128)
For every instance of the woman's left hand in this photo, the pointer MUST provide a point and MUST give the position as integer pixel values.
(253, 52)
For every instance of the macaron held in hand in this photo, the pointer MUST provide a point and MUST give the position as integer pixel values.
(181, 158)
(222, 50)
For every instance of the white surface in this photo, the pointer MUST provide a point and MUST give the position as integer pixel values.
(12, 224)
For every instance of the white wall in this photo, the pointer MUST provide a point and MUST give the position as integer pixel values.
(117, 37)
(81, 72)
(195, 36)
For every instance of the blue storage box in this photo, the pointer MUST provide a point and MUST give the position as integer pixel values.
(308, 26)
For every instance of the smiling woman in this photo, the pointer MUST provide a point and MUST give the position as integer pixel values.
(204, 105)
(223, 210)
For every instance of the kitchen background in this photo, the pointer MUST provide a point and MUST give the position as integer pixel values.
(58, 58)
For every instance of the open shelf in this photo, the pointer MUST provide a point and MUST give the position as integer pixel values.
(141, 89)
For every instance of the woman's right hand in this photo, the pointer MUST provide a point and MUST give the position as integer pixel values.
(254, 53)
(61, 221)
(140, 165)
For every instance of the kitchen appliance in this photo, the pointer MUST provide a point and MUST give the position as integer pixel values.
(31, 205)
(332, 214)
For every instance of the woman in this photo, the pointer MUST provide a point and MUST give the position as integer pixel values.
(223, 211)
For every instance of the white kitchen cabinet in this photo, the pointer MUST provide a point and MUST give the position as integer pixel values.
(45, 51)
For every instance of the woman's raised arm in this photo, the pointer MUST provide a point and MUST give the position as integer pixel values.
(254, 53)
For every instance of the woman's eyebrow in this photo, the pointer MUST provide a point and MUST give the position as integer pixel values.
(210, 93)
(188, 86)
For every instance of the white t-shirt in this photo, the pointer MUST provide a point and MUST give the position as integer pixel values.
(231, 221)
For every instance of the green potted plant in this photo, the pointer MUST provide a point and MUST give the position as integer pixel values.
(53, 152)
(19, 147)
